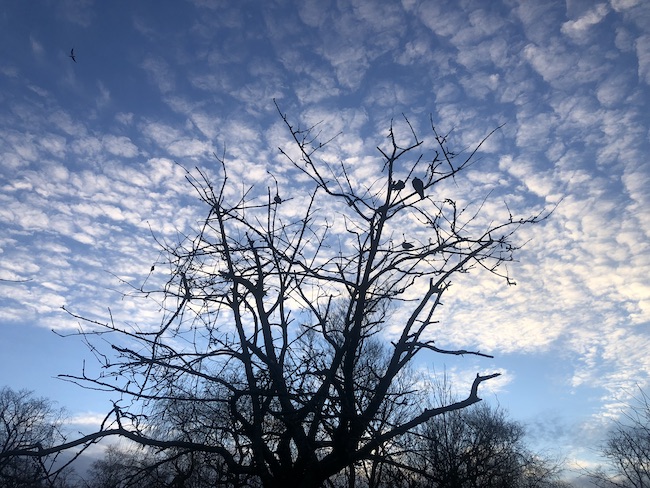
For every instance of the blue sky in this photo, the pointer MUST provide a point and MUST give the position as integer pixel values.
(88, 152)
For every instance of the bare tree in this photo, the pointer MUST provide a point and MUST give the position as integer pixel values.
(475, 447)
(479, 447)
(28, 423)
(123, 467)
(627, 449)
(118, 468)
(277, 300)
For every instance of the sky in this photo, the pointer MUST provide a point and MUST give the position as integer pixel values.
(93, 151)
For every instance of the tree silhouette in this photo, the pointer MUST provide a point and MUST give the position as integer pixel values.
(28, 423)
(478, 447)
(271, 357)
(627, 448)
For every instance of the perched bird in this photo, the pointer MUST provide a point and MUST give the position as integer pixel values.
(277, 199)
(397, 185)
(72, 55)
(418, 185)
(153, 267)
(406, 245)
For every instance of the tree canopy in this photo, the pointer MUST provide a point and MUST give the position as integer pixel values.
(273, 357)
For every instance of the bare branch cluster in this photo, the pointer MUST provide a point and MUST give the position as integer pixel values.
(270, 355)
(29, 424)
(627, 448)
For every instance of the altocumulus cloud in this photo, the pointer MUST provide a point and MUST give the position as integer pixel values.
(91, 155)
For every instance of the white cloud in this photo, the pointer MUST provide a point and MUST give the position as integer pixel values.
(614, 89)
(190, 148)
(162, 169)
(540, 20)
(125, 118)
(349, 62)
(119, 146)
(53, 144)
(642, 46)
(443, 22)
(415, 51)
(89, 146)
(87, 419)
(104, 97)
(314, 12)
(160, 74)
(578, 29)
(624, 39)
(621, 5)
(65, 122)
(37, 47)
(38, 90)
(552, 62)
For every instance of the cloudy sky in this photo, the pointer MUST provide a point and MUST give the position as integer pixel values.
(89, 175)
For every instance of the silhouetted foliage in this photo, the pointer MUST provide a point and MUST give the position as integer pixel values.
(478, 447)
(139, 467)
(27, 422)
(627, 449)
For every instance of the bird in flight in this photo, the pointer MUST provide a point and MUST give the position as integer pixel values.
(72, 55)
(418, 185)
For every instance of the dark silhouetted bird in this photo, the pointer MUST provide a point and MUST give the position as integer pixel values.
(72, 55)
(397, 185)
(153, 267)
(406, 245)
(418, 185)
(277, 199)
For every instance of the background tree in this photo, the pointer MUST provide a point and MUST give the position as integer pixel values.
(278, 298)
(474, 447)
(479, 447)
(27, 422)
(627, 449)
(118, 468)
(123, 467)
